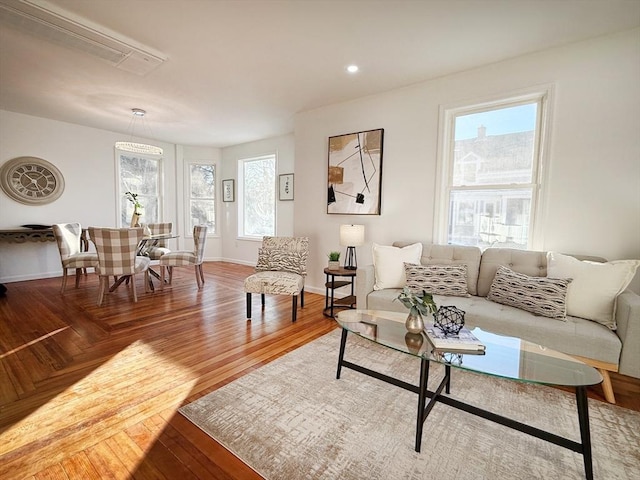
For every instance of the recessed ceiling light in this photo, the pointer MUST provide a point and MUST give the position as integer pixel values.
(352, 68)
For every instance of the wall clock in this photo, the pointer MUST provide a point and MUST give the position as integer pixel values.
(31, 180)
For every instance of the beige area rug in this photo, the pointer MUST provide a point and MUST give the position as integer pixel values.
(291, 419)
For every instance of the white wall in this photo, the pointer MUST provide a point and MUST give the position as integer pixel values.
(86, 158)
(242, 250)
(593, 201)
(593, 193)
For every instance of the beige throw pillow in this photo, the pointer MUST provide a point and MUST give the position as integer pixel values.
(592, 294)
(388, 264)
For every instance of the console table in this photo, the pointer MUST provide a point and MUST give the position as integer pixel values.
(22, 235)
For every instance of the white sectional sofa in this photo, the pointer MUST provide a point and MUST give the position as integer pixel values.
(613, 348)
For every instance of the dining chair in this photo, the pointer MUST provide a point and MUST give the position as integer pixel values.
(281, 270)
(69, 239)
(186, 258)
(117, 257)
(159, 248)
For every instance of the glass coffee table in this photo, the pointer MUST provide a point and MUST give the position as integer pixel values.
(505, 357)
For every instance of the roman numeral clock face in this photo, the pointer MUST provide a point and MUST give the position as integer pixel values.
(31, 180)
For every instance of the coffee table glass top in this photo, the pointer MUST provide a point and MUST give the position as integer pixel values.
(504, 356)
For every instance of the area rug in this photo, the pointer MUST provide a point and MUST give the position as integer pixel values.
(292, 419)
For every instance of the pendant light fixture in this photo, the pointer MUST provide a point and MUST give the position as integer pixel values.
(133, 147)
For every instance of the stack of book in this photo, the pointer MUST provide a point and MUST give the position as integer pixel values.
(463, 341)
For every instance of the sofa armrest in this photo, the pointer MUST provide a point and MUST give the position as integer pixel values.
(365, 280)
(628, 321)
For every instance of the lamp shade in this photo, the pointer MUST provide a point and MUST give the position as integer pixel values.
(351, 235)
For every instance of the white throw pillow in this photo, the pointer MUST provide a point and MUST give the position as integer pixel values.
(595, 286)
(388, 264)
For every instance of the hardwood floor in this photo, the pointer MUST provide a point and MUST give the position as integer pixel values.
(92, 392)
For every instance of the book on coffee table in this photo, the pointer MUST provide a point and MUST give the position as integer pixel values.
(464, 340)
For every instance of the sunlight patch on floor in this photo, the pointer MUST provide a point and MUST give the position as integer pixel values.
(33, 342)
(129, 387)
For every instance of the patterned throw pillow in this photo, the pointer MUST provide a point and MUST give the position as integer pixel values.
(437, 279)
(539, 295)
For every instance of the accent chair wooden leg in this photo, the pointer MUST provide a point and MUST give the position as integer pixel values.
(148, 286)
(78, 273)
(262, 300)
(248, 306)
(294, 306)
(199, 280)
(200, 272)
(104, 284)
(170, 274)
(133, 287)
(607, 387)
(64, 279)
(302, 298)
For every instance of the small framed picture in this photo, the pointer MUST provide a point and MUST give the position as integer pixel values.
(227, 190)
(286, 187)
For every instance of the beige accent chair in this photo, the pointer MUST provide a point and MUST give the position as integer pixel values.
(186, 258)
(281, 270)
(69, 239)
(117, 256)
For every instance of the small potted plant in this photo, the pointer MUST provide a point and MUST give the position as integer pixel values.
(334, 260)
(419, 305)
(137, 208)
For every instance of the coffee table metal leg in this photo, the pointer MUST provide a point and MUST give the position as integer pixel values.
(343, 342)
(585, 435)
(422, 399)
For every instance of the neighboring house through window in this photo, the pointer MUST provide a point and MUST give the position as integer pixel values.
(140, 175)
(202, 199)
(490, 171)
(257, 197)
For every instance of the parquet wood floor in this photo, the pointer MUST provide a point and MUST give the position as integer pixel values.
(90, 392)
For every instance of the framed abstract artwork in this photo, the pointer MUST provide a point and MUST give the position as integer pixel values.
(228, 190)
(355, 173)
(285, 191)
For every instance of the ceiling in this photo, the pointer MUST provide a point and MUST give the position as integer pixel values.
(238, 71)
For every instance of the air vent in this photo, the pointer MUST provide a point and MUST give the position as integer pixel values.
(50, 23)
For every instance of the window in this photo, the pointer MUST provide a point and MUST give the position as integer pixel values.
(142, 176)
(202, 206)
(490, 173)
(257, 196)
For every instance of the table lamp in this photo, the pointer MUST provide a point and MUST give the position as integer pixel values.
(351, 236)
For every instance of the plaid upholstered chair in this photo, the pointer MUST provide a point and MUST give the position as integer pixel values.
(68, 236)
(281, 270)
(186, 258)
(117, 256)
(154, 252)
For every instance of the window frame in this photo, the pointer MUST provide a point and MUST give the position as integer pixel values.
(120, 193)
(211, 232)
(240, 190)
(543, 96)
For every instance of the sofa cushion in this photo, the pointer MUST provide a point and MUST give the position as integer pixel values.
(388, 263)
(538, 295)
(575, 336)
(470, 256)
(437, 279)
(529, 262)
(592, 294)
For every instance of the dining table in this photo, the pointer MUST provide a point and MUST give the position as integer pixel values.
(143, 246)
